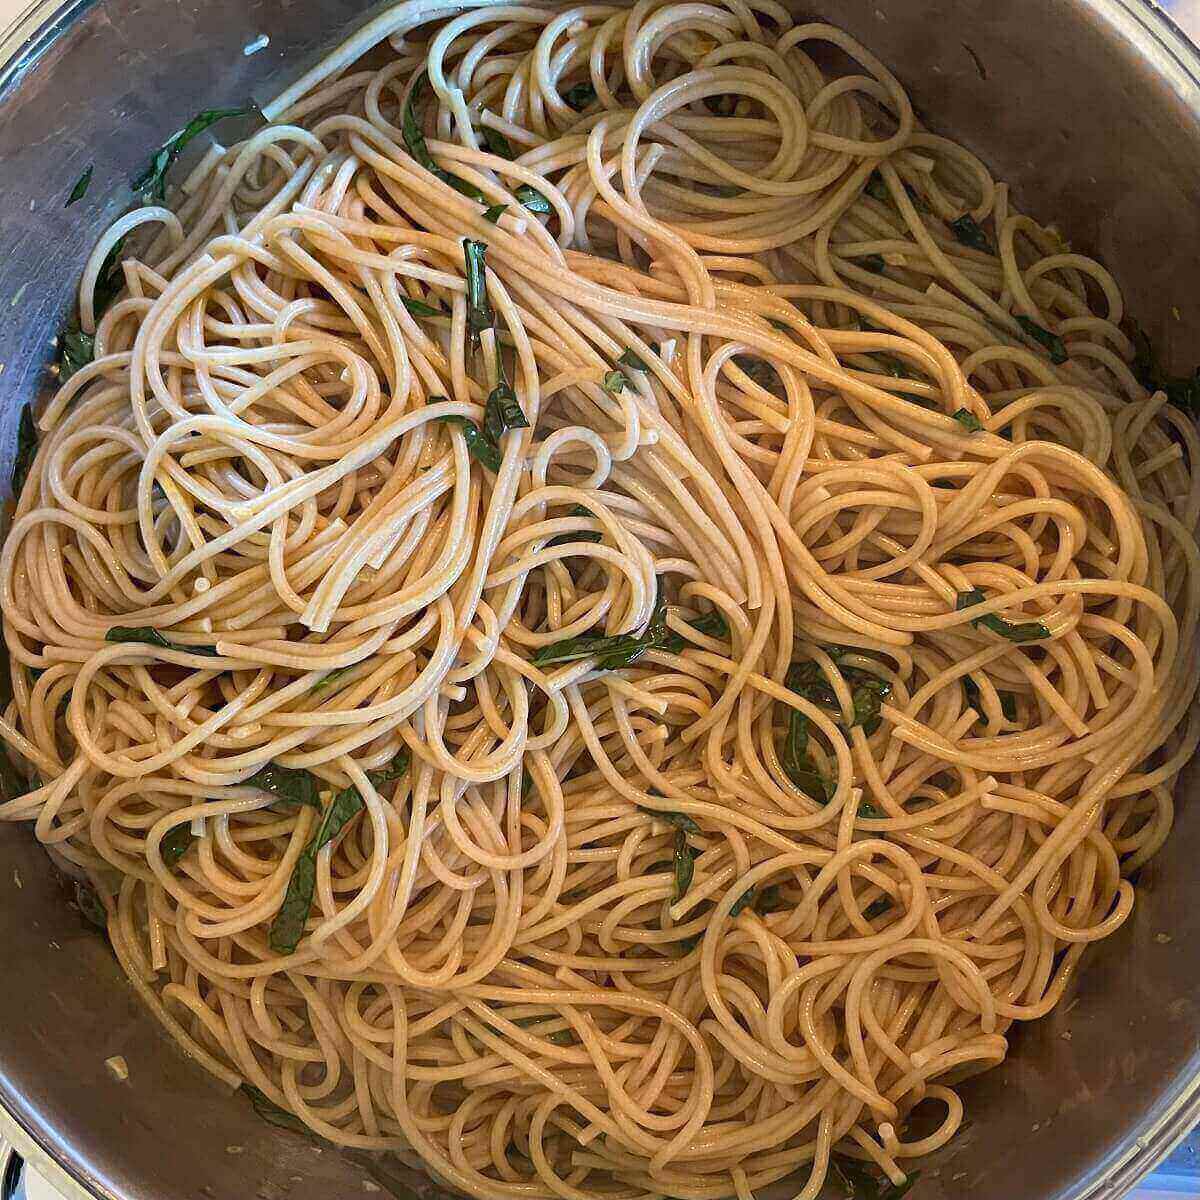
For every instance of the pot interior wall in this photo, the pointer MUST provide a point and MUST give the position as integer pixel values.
(1094, 120)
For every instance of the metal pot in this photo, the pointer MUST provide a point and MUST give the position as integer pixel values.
(1091, 108)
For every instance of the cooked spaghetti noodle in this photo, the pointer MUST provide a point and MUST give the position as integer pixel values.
(606, 611)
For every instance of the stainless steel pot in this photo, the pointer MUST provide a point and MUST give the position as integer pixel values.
(1090, 107)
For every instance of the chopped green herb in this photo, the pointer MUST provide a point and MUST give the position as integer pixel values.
(1054, 345)
(396, 769)
(614, 382)
(678, 819)
(586, 535)
(88, 901)
(493, 214)
(81, 186)
(610, 652)
(502, 413)
(873, 263)
(579, 96)
(1008, 706)
(75, 350)
(711, 624)
(530, 198)
(110, 279)
(877, 908)
(1024, 631)
(760, 371)
(497, 143)
(418, 308)
(176, 843)
(152, 183)
(968, 420)
(151, 637)
(479, 447)
(331, 677)
(1008, 702)
(270, 1112)
(633, 361)
(290, 785)
(877, 187)
(797, 763)
(415, 144)
(27, 444)
(745, 899)
(769, 899)
(868, 695)
(685, 864)
(968, 232)
(479, 310)
(561, 1037)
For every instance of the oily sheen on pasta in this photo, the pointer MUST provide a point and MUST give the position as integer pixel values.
(598, 607)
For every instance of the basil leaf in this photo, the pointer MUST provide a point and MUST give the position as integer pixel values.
(868, 696)
(88, 901)
(109, 281)
(497, 143)
(760, 371)
(968, 420)
(418, 308)
(493, 214)
(746, 898)
(81, 186)
(877, 908)
(579, 96)
(873, 263)
(1024, 631)
(618, 650)
(479, 447)
(75, 351)
(711, 624)
(530, 198)
(415, 144)
(346, 805)
(290, 785)
(502, 412)
(1008, 702)
(586, 535)
(795, 760)
(27, 445)
(1053, 344)
(562, 1037)
(968, 232)
(679, 820)
(176, 843)
(152, 637)
(288, 926)
(151, 184)
(270, 1112)
(685, 865)
(479, 310)
(614, 382)
(769, 899)
(1008, 706)
(396, 769)
(877, 188)
(331, 677)
(633, 361)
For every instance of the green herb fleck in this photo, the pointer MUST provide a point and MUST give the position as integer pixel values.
(414, 142)
(289, 785)
(678, 819)
(633, 361)
(711, 624)
(493, 214)
(331, 677)
(1024, 631)
(479, 310)
(745, 899)
(873, 263)
(81, 186)
(614, 382)
(769, 899)
(418, 308)
(530, 198)
(75, 350)
(877, 908)
(579, 96)
(144, 635)
(968, 420)
(968, 232)
(610, 652)
(152, 183)
(479, 447)
(1053, 344)
(502, 413)
(176, 843)
(685, 864)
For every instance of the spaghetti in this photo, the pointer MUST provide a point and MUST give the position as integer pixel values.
(602, 609)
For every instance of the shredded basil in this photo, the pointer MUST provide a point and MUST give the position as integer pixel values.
(493, 214)
(479, 310)
(760, 371)
(479, 447)
(711, 624)
(685, 864)
(743, 901)
(270, 1112)
(614, 382)
(418, 308)
(633, 361)
(868, 695)
(1053, 344)
(873, 263)
(968, 232)
(968, 420)
(151, 184)
(579, 96)
(415, 144)
(502, 413)
(176, 843)
(81, 186)
(1024, 631)
(497, 143)
(75, 350)
(27, 445)
(797, 763)
(678, 819)
(610, 653)
(877, 908)
(331, 677)
(530, 198)
(1008, 702)
(584, 535)
(289, 785)
(145, 635)
(769, 899)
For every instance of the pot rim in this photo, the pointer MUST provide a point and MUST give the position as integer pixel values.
(1177, 58)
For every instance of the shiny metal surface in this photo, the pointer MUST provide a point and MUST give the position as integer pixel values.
(1090, 107)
